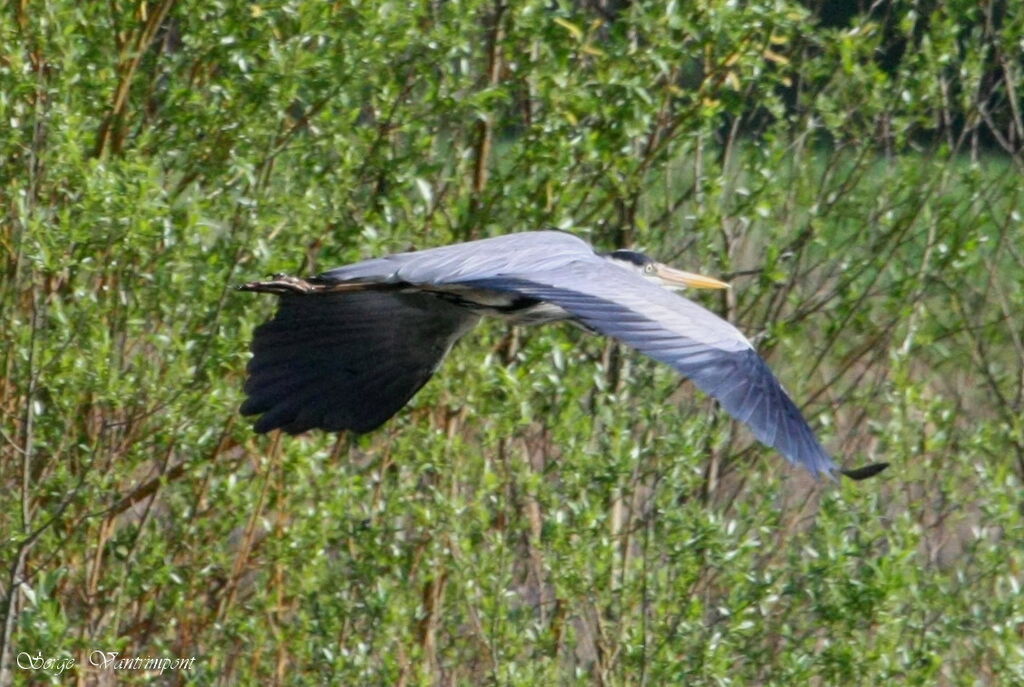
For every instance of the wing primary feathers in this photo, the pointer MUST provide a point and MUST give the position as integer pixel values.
(350, 360)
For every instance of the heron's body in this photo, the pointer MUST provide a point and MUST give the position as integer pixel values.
(348, 348)
(513, 309)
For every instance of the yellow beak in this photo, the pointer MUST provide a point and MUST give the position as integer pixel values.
(680, 278)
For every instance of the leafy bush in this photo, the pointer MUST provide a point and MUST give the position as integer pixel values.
(552, 508)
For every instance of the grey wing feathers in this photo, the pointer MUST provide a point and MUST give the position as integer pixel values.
(347, 361)
(680, 333)
(511, 253)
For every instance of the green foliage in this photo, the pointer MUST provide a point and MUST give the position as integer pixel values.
(551, 509)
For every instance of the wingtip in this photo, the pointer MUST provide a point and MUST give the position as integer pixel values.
(865, 471)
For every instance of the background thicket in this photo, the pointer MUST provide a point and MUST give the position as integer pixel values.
(552, 509)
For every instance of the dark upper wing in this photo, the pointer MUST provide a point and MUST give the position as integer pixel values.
(671, 329)
(347, 360)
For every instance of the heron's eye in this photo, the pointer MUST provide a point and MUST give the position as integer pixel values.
(648, 269)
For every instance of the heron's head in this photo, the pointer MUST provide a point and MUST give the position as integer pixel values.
(666, 276)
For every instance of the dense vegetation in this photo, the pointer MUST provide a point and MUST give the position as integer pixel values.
(552, 509)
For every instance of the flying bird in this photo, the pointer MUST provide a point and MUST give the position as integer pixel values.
(348, 348)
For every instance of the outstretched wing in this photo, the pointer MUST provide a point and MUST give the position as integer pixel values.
(339, 361)
(669, 328)
(511, 253)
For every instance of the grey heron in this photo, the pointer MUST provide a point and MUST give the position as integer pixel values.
(348, 348)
